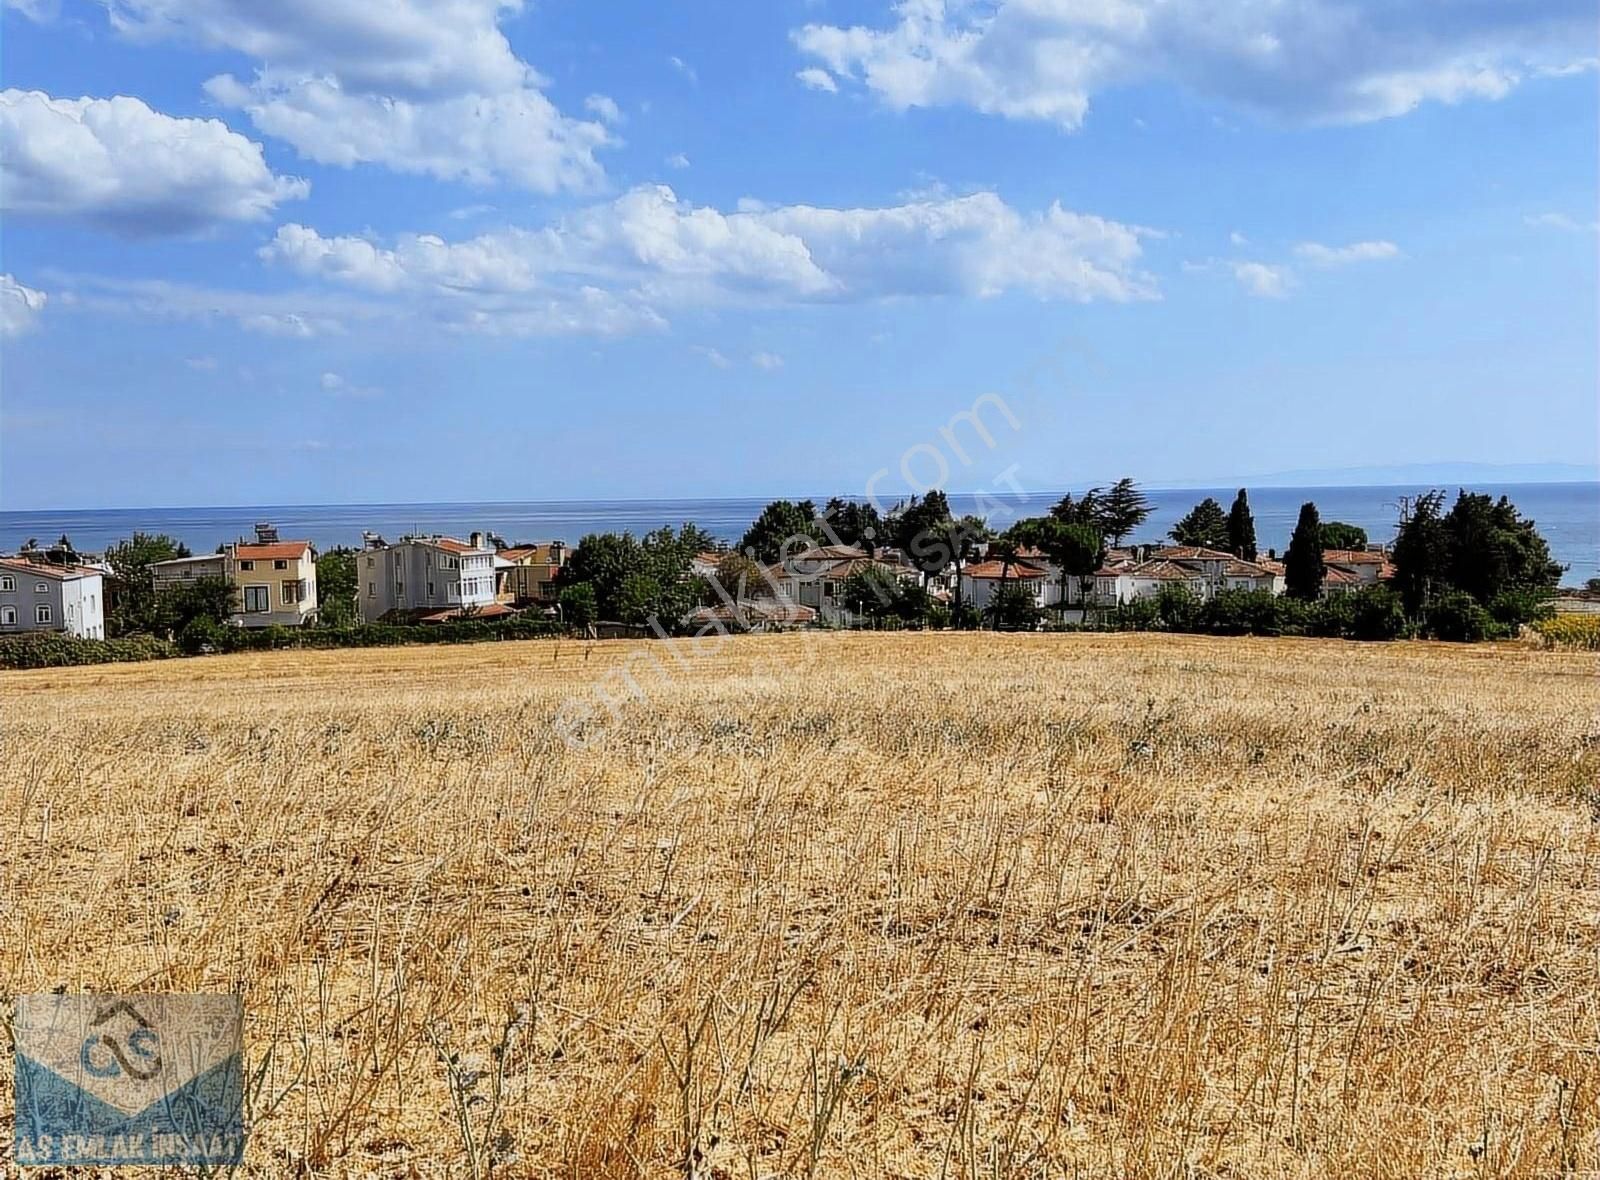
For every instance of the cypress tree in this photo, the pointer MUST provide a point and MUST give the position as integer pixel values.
(1242, 528)
(1302, 561)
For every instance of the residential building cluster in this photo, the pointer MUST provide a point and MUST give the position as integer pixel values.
(435, 579)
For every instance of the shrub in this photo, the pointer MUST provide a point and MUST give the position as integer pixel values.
(1178, 609)
(1460, 618)
(202, 633)
(61, 651)
(1243, 612)
(1511, 609)
(1377, 614)
(1138, 614)
(1578, 632)
(1332, 617)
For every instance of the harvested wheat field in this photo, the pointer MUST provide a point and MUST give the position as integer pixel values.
(874, 906)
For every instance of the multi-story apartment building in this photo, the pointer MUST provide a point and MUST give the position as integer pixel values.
(41, 596)
(274, 582)
(429, 579)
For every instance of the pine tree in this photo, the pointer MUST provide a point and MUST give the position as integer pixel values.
(1242, 528)
(1206, 526)
(1302, 561)
(1123, 509)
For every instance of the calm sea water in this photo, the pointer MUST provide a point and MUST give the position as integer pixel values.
(1568, 514)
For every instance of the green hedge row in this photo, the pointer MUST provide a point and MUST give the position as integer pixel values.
(65, 651)
(202, 636)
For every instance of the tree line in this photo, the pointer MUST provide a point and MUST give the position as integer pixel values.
(1474, 570)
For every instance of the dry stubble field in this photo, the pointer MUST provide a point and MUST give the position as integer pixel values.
(876, 906)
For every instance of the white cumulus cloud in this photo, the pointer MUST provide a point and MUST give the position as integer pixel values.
(118, 164)
(1319, 255)
(1263, 280)
(419, 86)
(1299, 60)
(653, 249)
(19, 306)
(818, 79)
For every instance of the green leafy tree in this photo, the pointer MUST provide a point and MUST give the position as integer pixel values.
(1458, 617)
(604, 561)
(667, 557)
(1179, 608)
(738, 578)
(1303, 568)
(872, 591)
(852, 523)
(1336, 534)
(639, 599)
(1012, 608)
(780, 522)
(1490, 549)
(1482, 547)
(1242, 528)
(337, 586)
(1074, 548)
(209, 599)
(133, 608)
(1376, 614)
(1205, 525)
(1123, 509)
(579, 607)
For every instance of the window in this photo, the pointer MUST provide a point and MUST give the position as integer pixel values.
(280, 565)
(8, 616)
(828, 588)
(247, 565)
(257, 599)
(188, 571)
(372, 589)
(293, 592)
(41, 614)
(430, 589)
(40, 588)
(8, 583)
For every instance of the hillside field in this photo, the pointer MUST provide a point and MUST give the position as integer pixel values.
(843, 905)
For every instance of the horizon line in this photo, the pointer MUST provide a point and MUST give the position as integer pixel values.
(1177, 486)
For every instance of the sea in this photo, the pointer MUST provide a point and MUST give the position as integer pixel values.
(1567, 514)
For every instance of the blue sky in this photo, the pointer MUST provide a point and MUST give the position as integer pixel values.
(344, 250)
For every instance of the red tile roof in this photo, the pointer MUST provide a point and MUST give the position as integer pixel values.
(1163, 571)
(540, 554)
(1190, 553)
(450, 545)
(277, 551)
(1334, 576)
(997, 571)
(1353, 557)
(492, 610)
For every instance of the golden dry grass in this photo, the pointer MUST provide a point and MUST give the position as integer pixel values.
(888, 905)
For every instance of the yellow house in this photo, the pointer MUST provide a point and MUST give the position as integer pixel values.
(275, 582)
(527, 573)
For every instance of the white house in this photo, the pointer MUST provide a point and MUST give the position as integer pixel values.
(38, 596)
(427, 579)
(982, 579)
(816, 578)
